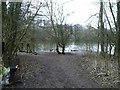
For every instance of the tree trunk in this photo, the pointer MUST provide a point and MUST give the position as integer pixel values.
(57, 49)
(63, 49)
(118, 45)
(110, 50)
(21, 47)
(101, 28)
(98, 43)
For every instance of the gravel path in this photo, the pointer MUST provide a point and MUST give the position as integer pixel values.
(49, 70)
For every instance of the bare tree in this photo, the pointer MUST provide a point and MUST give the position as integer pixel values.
(16, 22)
(58, 19)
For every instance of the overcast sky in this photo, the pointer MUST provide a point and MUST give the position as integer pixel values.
(82, 10)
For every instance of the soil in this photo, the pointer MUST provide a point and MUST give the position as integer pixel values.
(50, 70)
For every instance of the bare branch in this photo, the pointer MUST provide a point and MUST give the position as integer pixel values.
(110, 6)
(92, 16)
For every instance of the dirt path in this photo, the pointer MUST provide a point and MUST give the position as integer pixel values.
(50, 70)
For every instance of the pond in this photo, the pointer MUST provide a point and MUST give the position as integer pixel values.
(72, 47)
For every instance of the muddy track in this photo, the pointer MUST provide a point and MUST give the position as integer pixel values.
(53, 71)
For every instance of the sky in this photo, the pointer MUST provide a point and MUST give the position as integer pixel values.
(82, 10)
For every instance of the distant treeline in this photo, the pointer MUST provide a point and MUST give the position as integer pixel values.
(80, 34)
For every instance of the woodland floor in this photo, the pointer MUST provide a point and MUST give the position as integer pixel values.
(50, 70)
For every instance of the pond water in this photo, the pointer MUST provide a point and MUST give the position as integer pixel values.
(75, 48)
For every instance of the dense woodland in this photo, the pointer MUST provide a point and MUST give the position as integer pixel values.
(25, 24)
